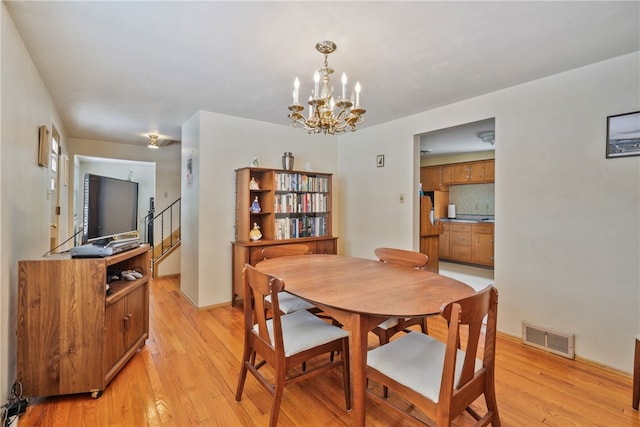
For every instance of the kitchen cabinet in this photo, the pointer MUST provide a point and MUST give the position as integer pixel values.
(448, 174)
(471, 172)
(482, 244)
(431, 178)
(476, 171)
(425, 180)
(471, 243)
(429, 235)
(460, 241)
(440, 177)
(489, 171)
(460, 173)
(434, 178)
(444, 241)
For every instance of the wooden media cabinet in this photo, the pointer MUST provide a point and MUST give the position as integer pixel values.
(73, 336)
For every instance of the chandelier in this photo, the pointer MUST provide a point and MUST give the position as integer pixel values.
(326, 115)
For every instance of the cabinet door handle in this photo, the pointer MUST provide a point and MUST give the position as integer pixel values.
(125, 320)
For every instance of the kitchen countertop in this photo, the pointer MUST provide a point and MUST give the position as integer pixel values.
(468, 220)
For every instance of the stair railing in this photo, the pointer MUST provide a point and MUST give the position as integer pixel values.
(163, 228)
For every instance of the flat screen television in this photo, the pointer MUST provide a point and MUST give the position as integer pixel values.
(110, 208)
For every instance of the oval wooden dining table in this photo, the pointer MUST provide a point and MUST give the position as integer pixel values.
(361, 293)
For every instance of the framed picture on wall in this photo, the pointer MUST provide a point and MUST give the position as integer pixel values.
(190, 168)
(43, 146)
(380, 160)
(623, 135)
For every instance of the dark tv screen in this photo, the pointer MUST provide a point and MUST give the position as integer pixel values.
(110, 207)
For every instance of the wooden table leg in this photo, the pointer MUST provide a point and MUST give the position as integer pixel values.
(358, 326)
(358, 349)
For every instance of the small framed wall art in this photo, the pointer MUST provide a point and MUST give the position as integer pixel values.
(380, 161)
(623, 135)
(43, 146)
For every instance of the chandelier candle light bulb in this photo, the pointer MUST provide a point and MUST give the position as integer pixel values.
(316, 84)
(344, 85)
(296, 88)
(327, 114)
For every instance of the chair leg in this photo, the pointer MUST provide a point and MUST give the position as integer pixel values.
(384, 338)
(423, 326)
(346, 374)
(491, 401)
(636, 375)
(241, 380)
(278, 391)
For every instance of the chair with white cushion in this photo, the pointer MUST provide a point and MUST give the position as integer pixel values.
(410, 259)
(285, 341)
(288, 303)
(439, 379)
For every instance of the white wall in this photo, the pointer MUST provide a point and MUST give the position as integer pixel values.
(567, 219)
(24, 212)
(220, 144)
(190, 246)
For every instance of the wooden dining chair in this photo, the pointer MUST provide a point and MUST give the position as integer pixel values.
(438, 378)
(288, 303)
(410, 259)
(285, 341)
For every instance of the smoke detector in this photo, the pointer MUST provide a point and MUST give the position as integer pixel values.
(488, 136)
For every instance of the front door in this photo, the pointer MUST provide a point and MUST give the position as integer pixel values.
(53, 192)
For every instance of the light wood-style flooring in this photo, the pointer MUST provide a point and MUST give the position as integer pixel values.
(186, 375)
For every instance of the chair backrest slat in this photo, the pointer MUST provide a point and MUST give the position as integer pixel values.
(471, 312)
(257, 286)
(285, 250)
(402, 257)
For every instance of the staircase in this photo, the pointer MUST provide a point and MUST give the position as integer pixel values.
(164, 228)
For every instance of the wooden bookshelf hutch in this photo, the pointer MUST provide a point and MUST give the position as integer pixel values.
(295, 208)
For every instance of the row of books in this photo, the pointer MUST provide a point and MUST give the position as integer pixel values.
(292, 228)
(301, 182)
(301, 202)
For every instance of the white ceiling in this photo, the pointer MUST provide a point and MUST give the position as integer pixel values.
(457, 139)
(118, 71)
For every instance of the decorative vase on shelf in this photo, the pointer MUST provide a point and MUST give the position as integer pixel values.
(255, 233)
(255, 206)
(287, 161)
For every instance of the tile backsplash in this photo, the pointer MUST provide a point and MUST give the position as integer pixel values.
(473, 199)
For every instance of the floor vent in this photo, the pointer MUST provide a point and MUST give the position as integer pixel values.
(554, 341)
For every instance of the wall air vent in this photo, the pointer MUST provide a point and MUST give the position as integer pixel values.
(554, 341)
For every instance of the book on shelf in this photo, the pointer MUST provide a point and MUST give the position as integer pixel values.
(300, 203)
(301, 183)
(306, 226)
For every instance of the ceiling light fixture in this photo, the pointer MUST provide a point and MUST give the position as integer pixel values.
(153, 143)
(488, 136)
(321, 103)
